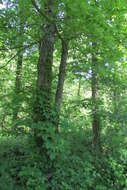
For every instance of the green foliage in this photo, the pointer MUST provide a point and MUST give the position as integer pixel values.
(76, 166)
(34, 155)
(83, 169)
(32, 178)
(19, 168)
(95, 174)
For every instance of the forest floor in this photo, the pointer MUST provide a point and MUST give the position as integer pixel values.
(76, 166)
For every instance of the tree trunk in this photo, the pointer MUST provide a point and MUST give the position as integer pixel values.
(115, 98)
(3, 120)
(61, 77)
(95, 115)
(42, 108)
(18, 81)
(79, 87)
(17, 87)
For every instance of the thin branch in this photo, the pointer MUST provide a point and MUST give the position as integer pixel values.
(18, 47)
(23, 48)
(9, 61)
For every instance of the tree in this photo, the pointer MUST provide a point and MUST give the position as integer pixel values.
(18, 80)
(61, 77)
(95, 102)
(42, 107)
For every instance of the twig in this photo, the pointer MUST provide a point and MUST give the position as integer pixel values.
(9, 61)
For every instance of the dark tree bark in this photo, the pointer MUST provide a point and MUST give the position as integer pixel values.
(42, 106)
(61, 77)
(17, 86)
(95, 114)
(3, 120)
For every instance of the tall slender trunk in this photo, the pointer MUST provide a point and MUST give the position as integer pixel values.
(3, 120)
(18, 80)
(61, 77)
(115, 100)
(18, 86)
(95, 115)
(115, 97)
(42, 107)
(79, 87)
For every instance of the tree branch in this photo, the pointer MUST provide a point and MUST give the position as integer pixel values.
(18, 47)
(23, 48)
(9, 61)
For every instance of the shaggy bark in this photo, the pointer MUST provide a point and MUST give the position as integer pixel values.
(42, 107)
